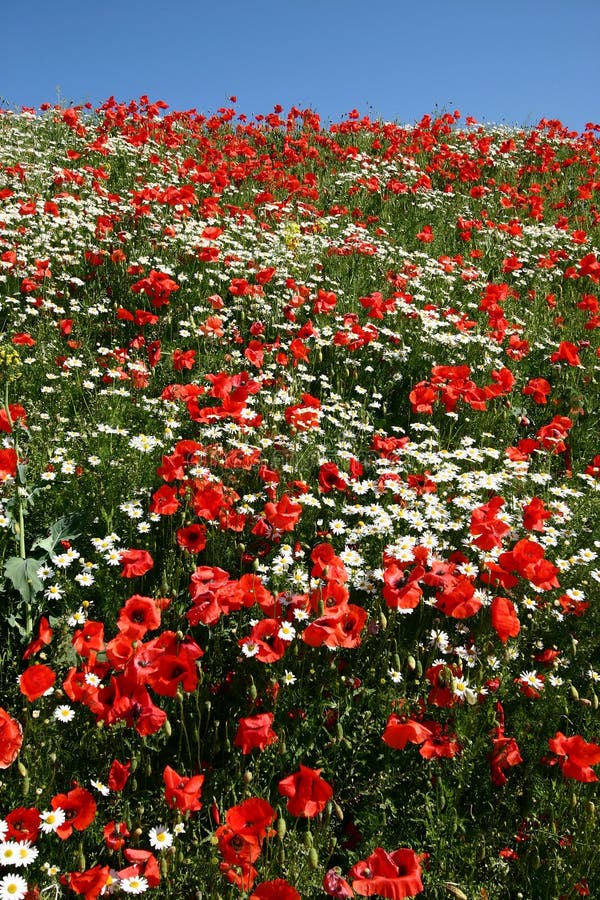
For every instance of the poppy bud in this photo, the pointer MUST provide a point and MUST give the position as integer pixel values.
(411, 662)
(22, 770)
(168, 729)
(590, 809)
(313, 858)
(574, 692)
(281, 828)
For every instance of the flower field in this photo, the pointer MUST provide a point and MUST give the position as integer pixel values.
(299, 506)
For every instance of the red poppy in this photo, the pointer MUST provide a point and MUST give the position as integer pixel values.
(36, 680)
(567, 352)
(79, 808)
(488, 529)
(135, 562)
(89, 883)
(504, 618)
(278, 889)
(576, 756)
(336, 886)
(393, 875)
(504, 755)
(263, 641)
(306, 791)
(44, 637)
(16, 413)
(400, 731)
(192, 538)
(115, 834)
(11, 739)
(164, 501)
(181, 792)
(283, 515)
(138, 616)
(8, 464)
(23, 824)
(255, 732)
(535, 514)
(538, 389)
(118, 775)
(143, 863)
(89, 640)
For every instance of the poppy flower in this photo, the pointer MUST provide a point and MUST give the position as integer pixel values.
(89, 883)
(79, 808)
(44, 637)
(118, 775)
(283, 515)
(192, 537)
(504, 618)
(8, 464)
(11, 739)
(181, 792)
(306, 791)
(115, 834)
(138, 616)
(255, 732)
(8, 418)
(23, 824)
(278, 889)
(336, 886)
(576, 756)
(135, 562)
(393, 875)
(400, 731)
(36, 680)
(145, 863)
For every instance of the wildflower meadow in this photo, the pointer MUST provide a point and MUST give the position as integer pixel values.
(299, 506)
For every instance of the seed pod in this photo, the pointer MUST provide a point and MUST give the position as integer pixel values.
(455, 890)
(313, 858)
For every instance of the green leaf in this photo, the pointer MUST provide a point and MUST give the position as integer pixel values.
(64, 529)
(22, 573)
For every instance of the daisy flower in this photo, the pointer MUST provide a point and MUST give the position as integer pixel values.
(51, 820)
(160, 838)
(135, 884)
(9, 853)
(13, 887)
(64, 713)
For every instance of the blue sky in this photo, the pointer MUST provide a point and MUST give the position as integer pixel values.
(496, 60)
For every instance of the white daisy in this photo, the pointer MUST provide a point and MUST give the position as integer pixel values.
(160, 838)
